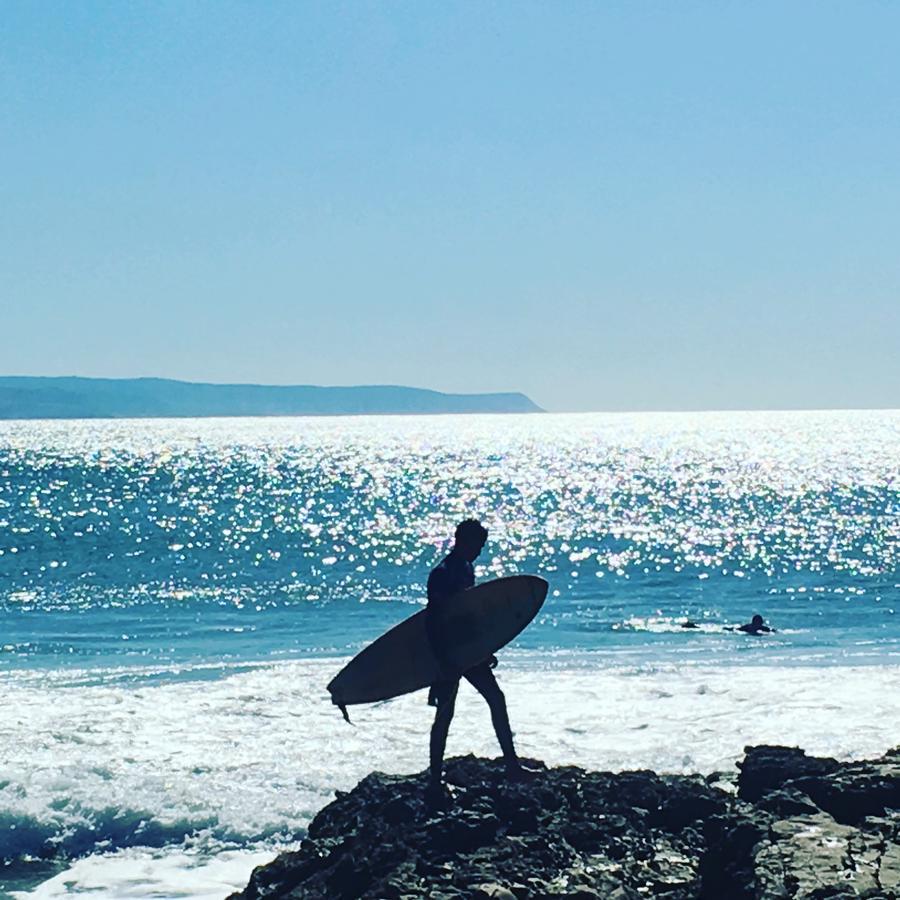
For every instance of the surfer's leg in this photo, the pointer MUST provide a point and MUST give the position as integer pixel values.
(445, 694)
(482, 679)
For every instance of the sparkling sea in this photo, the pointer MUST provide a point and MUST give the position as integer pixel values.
(175, 594)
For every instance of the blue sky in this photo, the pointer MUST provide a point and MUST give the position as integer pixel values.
(605, 205)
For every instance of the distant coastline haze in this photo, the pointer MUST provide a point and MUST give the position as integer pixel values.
(92, 398)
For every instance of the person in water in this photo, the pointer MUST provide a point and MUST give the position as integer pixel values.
(453, 574)
(755, 626)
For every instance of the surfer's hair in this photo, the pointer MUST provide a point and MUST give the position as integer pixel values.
(471, 529)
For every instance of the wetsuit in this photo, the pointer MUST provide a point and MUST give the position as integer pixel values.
(452, 575)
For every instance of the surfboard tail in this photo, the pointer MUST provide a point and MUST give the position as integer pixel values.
(341, 706)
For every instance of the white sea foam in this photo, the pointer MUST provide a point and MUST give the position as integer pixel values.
(174, 785)
(166, 873)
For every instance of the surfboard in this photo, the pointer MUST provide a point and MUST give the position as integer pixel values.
(477, 622)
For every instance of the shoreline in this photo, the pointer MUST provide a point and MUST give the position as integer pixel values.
(677, 721)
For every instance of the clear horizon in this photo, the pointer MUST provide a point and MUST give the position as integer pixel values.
(604, 208)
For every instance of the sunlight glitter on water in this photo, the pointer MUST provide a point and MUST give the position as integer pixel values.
(627, 515)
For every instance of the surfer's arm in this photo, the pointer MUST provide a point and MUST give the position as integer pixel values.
(437, 642)
(437, 597)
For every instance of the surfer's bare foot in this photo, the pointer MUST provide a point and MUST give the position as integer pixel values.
(515, 771)
(438, 795)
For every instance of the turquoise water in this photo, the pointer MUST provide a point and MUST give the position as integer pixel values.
(175, 594)
(206, 540)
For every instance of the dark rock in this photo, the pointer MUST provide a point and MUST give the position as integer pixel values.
(348, 878)
(397, 810)
(492, 892)
(787, 803)
(727, 867)
(687, 801)
(519, 810)
(460, 832)
(856, 792)
(767, 768)
(802, 828)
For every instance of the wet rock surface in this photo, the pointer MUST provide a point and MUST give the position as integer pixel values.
(798, 828)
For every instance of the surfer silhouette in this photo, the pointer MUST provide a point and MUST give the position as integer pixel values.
(453, 574)
(756, 626)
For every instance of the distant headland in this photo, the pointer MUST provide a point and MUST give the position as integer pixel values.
(23, 397)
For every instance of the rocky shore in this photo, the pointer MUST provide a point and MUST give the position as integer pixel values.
(787, 825)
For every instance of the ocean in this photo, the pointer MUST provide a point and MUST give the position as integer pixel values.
(176, 594)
